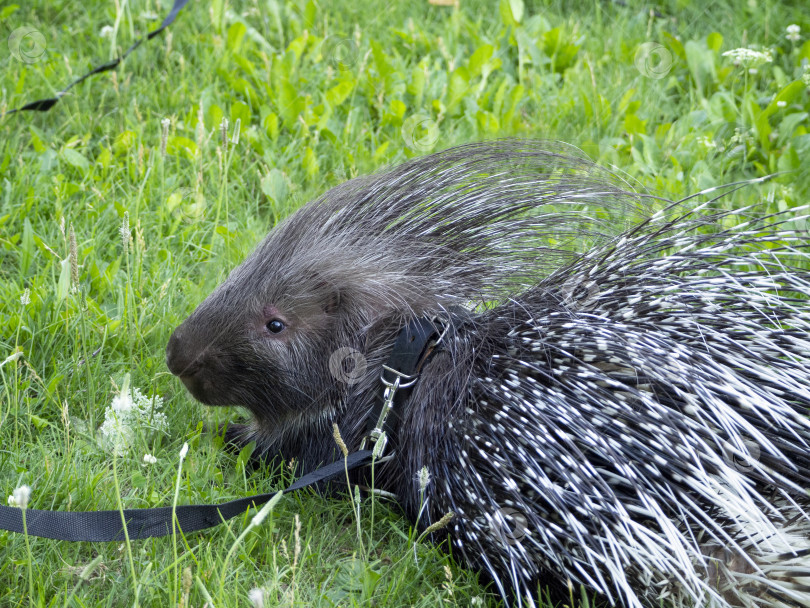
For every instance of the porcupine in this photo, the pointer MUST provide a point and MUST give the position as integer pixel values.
(623, 407)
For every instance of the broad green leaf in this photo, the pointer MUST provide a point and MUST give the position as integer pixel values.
(270, 125)
(479, 58)
(38, 422)
(516, 7)
(241, 112)
(75, 159)
(701, 64)
(310, 14)
(290, 105)
(416, 86)
(397, 108)
(236, 34)
(787, 95)
(275, 186)
(457, 89)
(244, 455)
(177, 144)
(124, 141)
(340, 92)
(380, 59)
(674, 45)
(213, 116)
(8, 11)
(310, 163)
(714, 41)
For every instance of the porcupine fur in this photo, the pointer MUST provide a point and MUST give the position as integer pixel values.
(624, 407)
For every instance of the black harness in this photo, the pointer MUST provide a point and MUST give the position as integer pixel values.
(414, 344)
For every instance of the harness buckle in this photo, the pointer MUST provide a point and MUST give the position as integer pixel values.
(377, 435)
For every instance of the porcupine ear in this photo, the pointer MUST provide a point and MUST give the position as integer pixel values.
(332, 302)
(328, 294)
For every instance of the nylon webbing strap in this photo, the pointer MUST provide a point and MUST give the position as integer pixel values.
(106, 526)
(43, 105)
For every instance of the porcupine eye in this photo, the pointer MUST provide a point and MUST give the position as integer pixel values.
(275, 326)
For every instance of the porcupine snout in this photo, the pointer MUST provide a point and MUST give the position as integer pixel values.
(197, 364)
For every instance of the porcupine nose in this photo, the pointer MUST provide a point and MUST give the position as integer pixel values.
(193, 357)
(187, 362)
(181, 360)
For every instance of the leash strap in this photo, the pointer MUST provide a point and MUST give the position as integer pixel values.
(43, 105)
(106, 526)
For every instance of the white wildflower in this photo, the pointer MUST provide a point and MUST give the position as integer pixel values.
(20, 497)
(793, 32)
(25, 298)
(129, 412)
(256, 597)
(183, 451)
(123, 402)
(149, 459)
(781, 104)
(743, 56)
(106, 31)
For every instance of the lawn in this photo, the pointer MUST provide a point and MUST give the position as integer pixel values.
(130, 200)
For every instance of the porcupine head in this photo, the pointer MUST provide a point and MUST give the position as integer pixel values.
(297, 333)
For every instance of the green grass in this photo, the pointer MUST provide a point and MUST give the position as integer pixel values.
(322, 92)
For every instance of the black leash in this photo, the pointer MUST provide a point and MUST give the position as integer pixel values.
(43, 105)
(105, 526)
(414, 344)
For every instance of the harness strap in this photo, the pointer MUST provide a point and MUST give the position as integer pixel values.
(413, 346)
